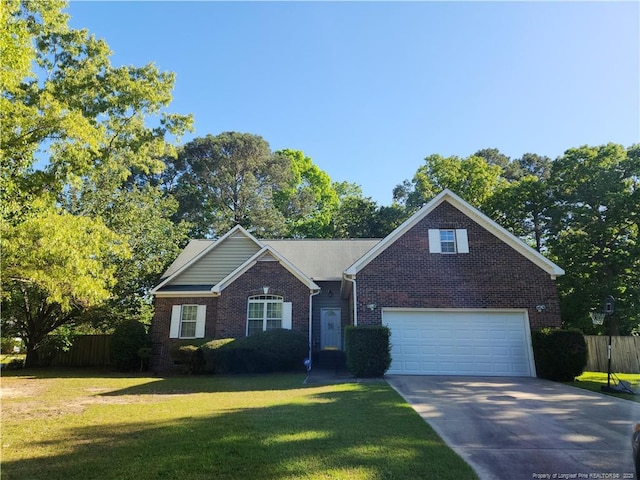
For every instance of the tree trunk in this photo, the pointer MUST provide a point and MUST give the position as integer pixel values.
(33, 357)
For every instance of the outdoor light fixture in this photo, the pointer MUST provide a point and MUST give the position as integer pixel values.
(541, 307)
(371, 306)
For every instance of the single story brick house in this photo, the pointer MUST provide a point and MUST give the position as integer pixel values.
(459, 293)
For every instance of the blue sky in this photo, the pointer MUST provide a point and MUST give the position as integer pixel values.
(368, 89)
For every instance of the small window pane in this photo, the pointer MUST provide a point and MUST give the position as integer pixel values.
(189, 313)
(254, 326)
(274, 310)
(188, 329)
(256, 310)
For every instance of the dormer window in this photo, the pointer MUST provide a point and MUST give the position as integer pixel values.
(448, 241)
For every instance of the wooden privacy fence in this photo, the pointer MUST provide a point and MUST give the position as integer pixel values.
(625, 356)
(86, 351)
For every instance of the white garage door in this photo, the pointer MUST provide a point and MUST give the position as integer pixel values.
(486, 343)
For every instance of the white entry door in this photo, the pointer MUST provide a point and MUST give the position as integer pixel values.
(330, 329)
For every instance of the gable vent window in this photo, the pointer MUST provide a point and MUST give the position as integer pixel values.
(448, 241)
(267, 312)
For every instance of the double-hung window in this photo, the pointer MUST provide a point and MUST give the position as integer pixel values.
(267, 312)
(447, 241)
(188, 321)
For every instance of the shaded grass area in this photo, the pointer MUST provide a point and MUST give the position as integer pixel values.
(82, 425)
(595, 380)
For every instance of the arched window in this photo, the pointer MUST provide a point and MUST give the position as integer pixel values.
(264, 313)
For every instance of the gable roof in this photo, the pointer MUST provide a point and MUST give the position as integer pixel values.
(198, 249)
(321, 259)
(266, 252)
(471, 212)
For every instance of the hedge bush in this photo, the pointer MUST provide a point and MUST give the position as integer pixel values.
(271, 351)
(368, 350)
(208, 355)
(560, 355)
(127, 339)
(189, 355)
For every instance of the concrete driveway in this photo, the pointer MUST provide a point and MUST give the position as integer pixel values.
(526, 428)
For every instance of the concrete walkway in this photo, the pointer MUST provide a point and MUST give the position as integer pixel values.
(526, 428)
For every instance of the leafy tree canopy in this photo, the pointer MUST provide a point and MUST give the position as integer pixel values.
(595, 219)
(473, 178)
(71, 122)
(54, 265)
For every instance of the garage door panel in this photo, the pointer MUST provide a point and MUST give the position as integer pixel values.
(459, 343)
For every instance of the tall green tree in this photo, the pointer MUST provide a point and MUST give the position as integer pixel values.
(473, 178)
(54, 266)
(595, 221)
(65, 106)
(142, 216)
(522, 205)
(310, 201)
(510, 170)
(230, 179)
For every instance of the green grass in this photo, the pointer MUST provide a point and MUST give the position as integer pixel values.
(594, 380)
(84, 425)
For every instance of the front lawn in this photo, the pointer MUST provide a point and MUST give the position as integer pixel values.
(594, 380)
(78, 424)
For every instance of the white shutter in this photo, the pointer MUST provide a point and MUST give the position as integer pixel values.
(462, 241)
(176, 314)
(287, 309)
(201, 320)
(434, 241)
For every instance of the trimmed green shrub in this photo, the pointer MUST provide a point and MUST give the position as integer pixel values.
(368, 350)
(560, 355)
(276, 350)
(211, 357)
(189, 355)
(127, 339)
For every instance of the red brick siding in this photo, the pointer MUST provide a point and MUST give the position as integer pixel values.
(491, 275)
(161, 343)
(227, 314)
(232, 306)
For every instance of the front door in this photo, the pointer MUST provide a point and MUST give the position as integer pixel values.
(330, 329)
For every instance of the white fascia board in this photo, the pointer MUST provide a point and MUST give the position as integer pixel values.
(398, 232)
(237, 228)
(222, 284)
(198, 293)
(507, 237)
(471, 212)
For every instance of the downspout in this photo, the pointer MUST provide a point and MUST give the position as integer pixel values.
(352, 279)
(313, 294)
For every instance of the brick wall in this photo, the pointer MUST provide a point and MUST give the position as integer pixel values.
(159, 332)
(491, 275)
(232, 307)
(227, 314)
